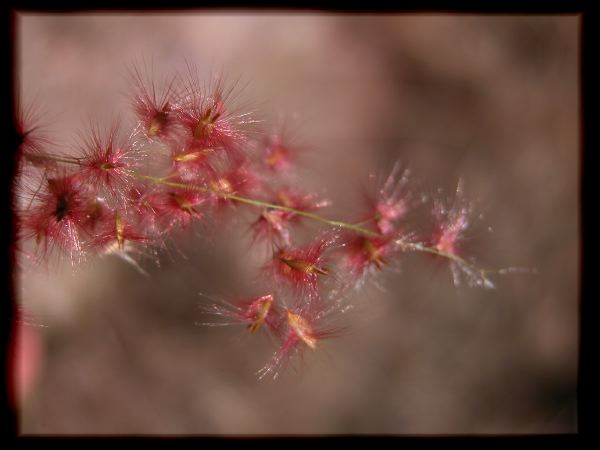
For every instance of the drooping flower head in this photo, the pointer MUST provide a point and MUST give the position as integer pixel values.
(303, 327)
(255, 313)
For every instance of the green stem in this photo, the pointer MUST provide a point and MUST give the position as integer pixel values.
(257, 203)
(262, 204)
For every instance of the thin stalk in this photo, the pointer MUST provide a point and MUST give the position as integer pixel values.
(434, 251)
(357, 228)
(54, 158)
(336, 223)
(258, 203)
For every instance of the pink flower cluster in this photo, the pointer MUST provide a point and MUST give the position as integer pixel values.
(118, 194)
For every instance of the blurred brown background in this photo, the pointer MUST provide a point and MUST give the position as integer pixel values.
(491, 99)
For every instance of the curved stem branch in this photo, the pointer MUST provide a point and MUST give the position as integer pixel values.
(258, 203)
(357, 228)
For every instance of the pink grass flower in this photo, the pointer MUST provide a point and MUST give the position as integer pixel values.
(364, 258)
(300, 268)
(208, 118)
(277, 154)
(239, 180)
(274, 225)
(177, 208)
(448, 237)
(364, 253)
(192, 161)
(117, 230)
(255, 313)
(33, 139)
(154, 106)
(450, 223)
(151, 207)
(106, 163)
(96, 212)
(56, 215)
(302, 328)
(392, 202)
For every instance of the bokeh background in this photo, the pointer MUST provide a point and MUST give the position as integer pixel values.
(489, 99)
